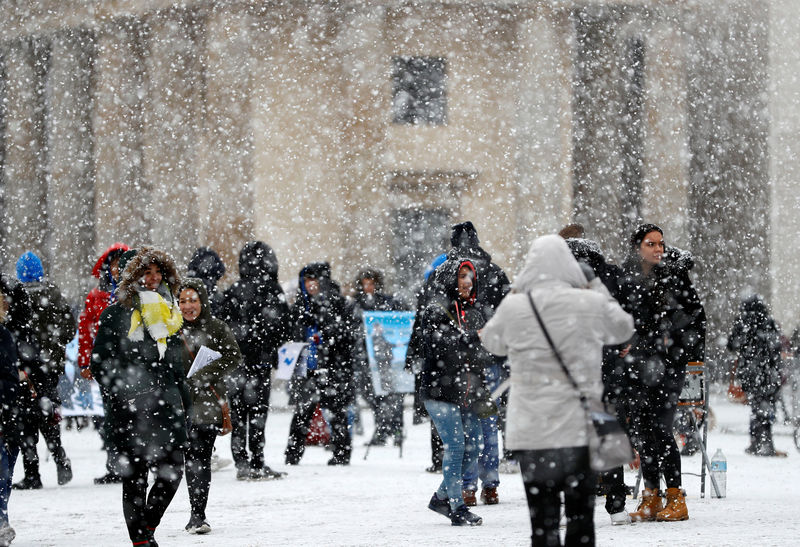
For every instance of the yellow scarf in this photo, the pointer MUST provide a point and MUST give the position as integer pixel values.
(160, 318)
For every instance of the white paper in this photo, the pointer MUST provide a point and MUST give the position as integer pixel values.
(204, 357)
(288, 356)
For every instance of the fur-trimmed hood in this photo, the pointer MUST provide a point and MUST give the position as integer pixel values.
(135, 268)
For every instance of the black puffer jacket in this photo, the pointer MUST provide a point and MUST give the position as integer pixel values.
(9, 388)
(454, 362)
(756, 339)
(255, 307)
(669, 318)
(325, 322)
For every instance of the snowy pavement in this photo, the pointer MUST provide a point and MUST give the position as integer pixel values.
(382, 501)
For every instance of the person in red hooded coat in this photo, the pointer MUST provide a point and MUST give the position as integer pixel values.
(106, 270)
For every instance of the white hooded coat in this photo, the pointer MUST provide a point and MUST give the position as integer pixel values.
(544, 410)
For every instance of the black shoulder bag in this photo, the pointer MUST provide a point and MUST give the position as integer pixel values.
(609, 446)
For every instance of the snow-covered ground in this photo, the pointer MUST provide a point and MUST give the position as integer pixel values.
(382, 501)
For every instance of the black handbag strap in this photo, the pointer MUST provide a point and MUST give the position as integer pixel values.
(584, 402)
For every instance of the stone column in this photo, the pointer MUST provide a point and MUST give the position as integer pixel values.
(120, 189)
(172, 123)
(70, 192)
(25, 223)
(784, 162)
(225, 168)
(543, 126)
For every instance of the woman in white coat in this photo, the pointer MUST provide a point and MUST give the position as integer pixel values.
(546, 424)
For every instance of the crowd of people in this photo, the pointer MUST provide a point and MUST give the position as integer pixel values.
(489, 357)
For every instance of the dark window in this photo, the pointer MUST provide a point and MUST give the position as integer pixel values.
(418, 90)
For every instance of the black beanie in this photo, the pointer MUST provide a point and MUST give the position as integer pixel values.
(638, 236)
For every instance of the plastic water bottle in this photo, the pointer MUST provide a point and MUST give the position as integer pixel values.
(719, 470)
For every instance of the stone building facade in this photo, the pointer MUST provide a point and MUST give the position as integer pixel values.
(357, 131)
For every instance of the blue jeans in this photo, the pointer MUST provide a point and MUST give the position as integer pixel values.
(8, 457)
(461, 436)
(488, 461)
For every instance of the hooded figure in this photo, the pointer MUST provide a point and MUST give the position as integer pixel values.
(138, 359)
(206, 265)
(208, 389)
(50, 328)
(319, 317)
(546, 423)
(255, 309)
(756, 339)
(452, 379)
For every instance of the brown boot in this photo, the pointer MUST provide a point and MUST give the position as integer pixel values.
(489, 496)
(469, 498)
(648, 507)
(676, 507)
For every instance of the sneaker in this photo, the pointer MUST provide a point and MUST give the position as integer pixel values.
(108, 478)
(64, 473)
(28, 483)
(469, 498)
(463, 517)
(7, 535)
(265, 474)
(218, 463)
(198, 526)
(621, 518)
(489, 496)
(508, 467)
(439, 506)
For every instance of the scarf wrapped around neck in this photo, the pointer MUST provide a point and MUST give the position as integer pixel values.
(159, 317)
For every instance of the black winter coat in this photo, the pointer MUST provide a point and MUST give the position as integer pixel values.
(670, 323)
(756, 339)
(9, 388)
(454, 357)
(255, 308)
(326, 315)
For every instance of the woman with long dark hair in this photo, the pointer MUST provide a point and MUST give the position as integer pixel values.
(670, 332)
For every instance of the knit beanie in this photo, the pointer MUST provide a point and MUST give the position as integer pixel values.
(29, 268)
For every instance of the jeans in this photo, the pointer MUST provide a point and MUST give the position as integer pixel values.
(8, 457)
(461, 435)
(488, 462)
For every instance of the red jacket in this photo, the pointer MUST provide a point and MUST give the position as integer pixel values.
(96, 301)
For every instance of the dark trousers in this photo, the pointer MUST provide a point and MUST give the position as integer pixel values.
(248, 395)
(198, 466)
(301, 421)
(652, 414)
(39, 415)
(548, 473)
(142, 509)
(615, 490)
(762, 414)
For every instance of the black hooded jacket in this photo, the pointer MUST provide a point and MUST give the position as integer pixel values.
(9, 388)
(206, 264)
(255, 307)
(325, 321)
(454, 357)
(756, 339)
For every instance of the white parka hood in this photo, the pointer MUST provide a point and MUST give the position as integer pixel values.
(549, 260)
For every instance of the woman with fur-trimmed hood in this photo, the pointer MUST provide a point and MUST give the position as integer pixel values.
(139, 362)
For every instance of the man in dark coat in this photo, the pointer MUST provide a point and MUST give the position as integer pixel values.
(255, 309)
(53, 326)
(320, 318)
(9, 415)
(757, 341)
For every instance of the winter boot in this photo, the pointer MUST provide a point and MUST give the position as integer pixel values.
(440, 506)
(64, 472)
(489, 496)
(463, 517)
(28, 483)
(469, 498)
(649, 506)
(676, 507)
(108, 478)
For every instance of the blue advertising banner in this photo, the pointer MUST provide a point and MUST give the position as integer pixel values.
(387, 334)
